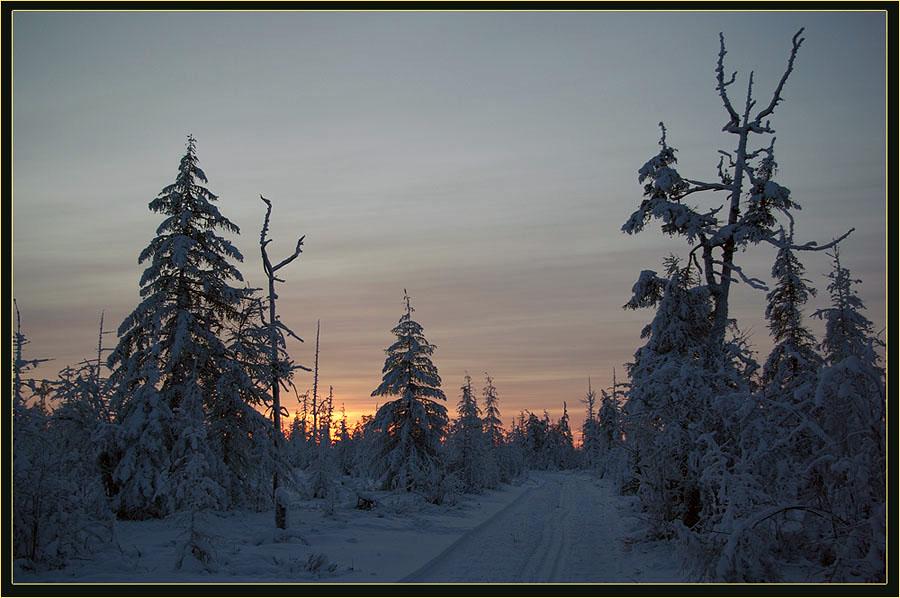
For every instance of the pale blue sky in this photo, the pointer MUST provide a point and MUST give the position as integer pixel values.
(484, 161)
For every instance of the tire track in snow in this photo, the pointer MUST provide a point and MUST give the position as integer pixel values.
(525, 542)
(543, 564)
(567, 528)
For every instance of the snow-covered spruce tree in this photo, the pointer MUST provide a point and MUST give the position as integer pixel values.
(789, 376)
(493, 425)
(59, 506)
(324, 471)
(499, 466)
(848, 474)
(363, 445)
(408, 430)
(608, 418)
(343, 446)
(300, 445)
(793, 360)
(514, 462)
(36, 483)
(670, 391)
(613, 459)
(764, 467)
(78, 426)
(562, 443)
(590, 431)
(815, 449)
(169, 359)
(533, 439)
(466, 442)
(240, 434)
(687, 402)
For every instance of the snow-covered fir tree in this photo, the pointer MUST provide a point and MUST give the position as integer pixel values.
(534, 432)
(322, 482)
(493, 425)
(849, 472)
(78, 426)
(467, 444)
(813, 464)
(612, 454)
(500, 465)
(170, 357)
(343, 453)
(590, 431)
(562, 442)
(670, 391)
(784, 423)
(240, 434)
(59, 509)
(609, 420)
(793, 360)
(408, 430)
(32, 459)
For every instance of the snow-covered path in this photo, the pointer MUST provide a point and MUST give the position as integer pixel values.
(557, 527)
(568, 527)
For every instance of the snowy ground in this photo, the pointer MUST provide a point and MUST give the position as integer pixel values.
(556, 527)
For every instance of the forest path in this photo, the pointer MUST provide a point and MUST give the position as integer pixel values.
(569, 527)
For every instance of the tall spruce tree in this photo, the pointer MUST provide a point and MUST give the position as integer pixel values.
(500, 467)
(590, 431)
(784, 424)
(493, 426)
(793, 360)
(169, 359)
(409, 429)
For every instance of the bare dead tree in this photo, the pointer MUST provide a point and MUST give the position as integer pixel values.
(276, 343)
(315, 392)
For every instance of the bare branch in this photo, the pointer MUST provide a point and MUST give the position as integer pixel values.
(776, 97)
(722, 84)
(265, 228)
(763, 150)
(701, 186)
(753, 282)
(749, 102)
(290, 259)
(810, 246)
(279, 324)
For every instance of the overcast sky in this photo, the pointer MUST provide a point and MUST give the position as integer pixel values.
(484, 161)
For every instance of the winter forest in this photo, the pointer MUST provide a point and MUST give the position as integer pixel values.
(726, 466)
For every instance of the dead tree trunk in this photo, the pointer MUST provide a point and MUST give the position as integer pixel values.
(276, 341)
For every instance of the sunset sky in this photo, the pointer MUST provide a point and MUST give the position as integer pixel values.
(484, 161)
